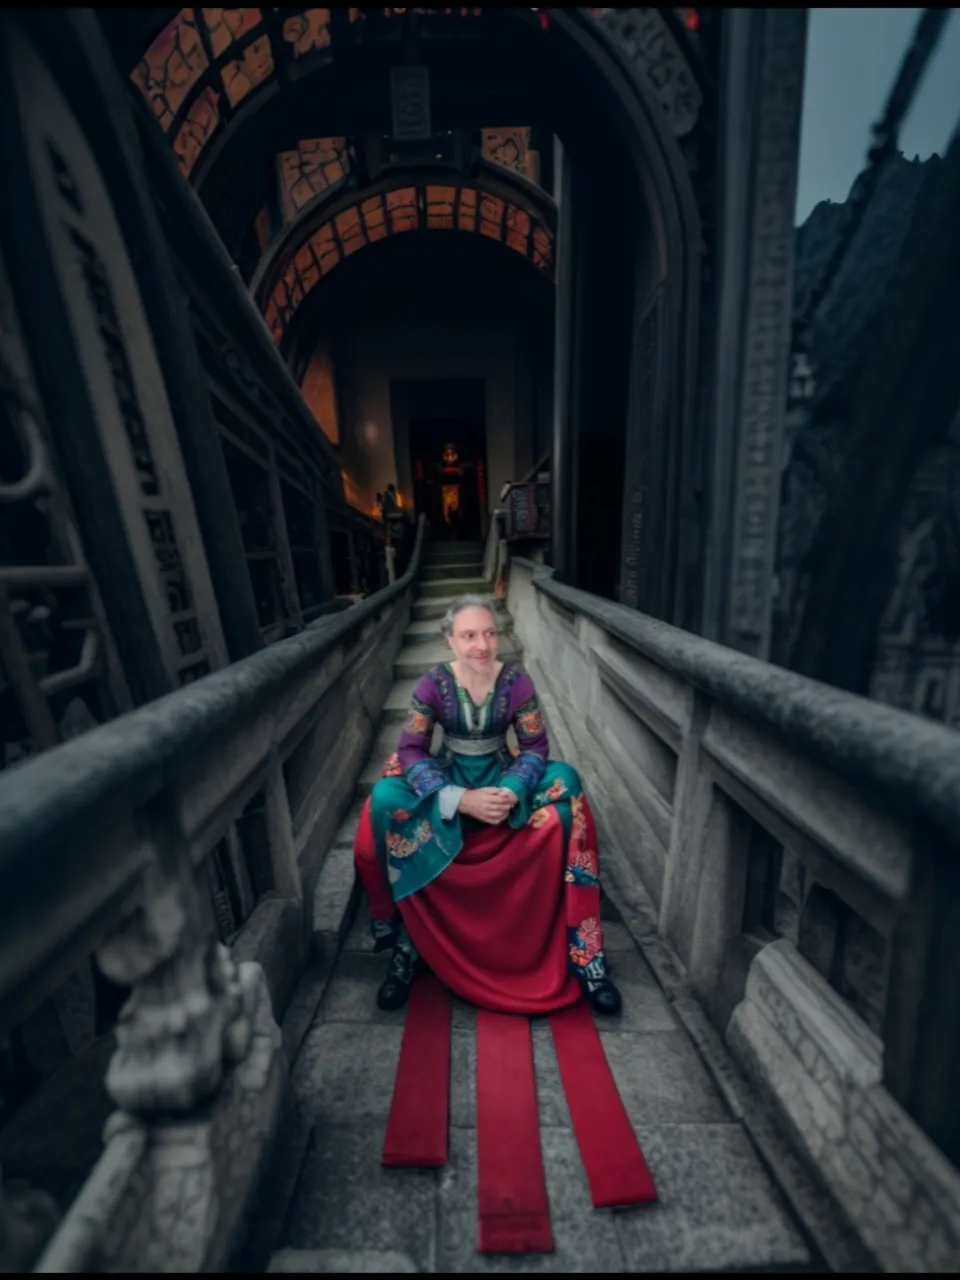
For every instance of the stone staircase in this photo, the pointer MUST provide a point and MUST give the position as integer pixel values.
(450, 569)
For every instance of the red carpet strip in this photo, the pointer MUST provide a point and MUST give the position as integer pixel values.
(418, 1129)
(615, 1167)
(512, 1192)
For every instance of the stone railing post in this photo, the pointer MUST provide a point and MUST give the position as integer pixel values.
(184, 1013)
(197, 1077)
(692, 797)
(285, 869)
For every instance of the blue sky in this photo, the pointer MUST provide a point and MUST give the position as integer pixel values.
(852, 59)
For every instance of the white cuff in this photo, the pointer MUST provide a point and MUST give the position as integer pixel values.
(450, 797)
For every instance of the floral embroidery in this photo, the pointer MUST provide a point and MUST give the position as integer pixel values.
(398, 846)
(582, 868)
(579, 822)
(401, 847)
(393, 768)
(556, 791)
(586, 942)
(539, 818)
(418, 723)
(529, 720)
(401, 815)
(531, 724)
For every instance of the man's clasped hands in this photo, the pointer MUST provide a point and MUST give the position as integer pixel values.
(488, 804)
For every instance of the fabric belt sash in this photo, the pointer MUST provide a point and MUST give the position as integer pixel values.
(474, 746)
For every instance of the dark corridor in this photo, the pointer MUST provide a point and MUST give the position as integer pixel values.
(444, 423)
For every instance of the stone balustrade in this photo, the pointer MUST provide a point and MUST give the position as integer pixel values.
(102, 841)
(795, 850)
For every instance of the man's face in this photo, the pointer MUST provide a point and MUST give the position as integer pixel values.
(474, 640)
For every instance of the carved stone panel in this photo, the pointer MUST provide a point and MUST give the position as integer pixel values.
(59, 674)
(123, 378)
(768, 331)
(657, 59)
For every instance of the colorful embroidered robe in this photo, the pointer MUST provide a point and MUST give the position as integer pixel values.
(414, 811)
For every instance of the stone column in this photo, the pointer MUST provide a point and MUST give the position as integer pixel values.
(566, 376)
(761, 97)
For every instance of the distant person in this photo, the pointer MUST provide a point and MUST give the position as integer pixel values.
(392, 515)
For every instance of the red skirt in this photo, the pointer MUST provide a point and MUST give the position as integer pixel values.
(493, 926)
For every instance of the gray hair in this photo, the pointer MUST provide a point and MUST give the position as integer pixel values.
(466, 602)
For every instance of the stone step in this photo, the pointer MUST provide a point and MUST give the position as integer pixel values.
(427, 630)
(412, 661)
(454, 587)
(384, 746)
(453, 569)
(462, 557)
(437, 606)
(397, 703)
(453, 550)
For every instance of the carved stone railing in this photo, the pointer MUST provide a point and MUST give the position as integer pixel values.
(101, 842)
(365, 539)
(797, 849)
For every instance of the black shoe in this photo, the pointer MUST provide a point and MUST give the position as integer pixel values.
(603, 997)
(395, 989)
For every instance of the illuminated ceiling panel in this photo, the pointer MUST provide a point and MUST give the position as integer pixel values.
(171, 67)
(307, 31)
(227, 25)
(199, 126)
(207, 62)
(315, 166)
(223, 56)
(244, 74)
(423, 207)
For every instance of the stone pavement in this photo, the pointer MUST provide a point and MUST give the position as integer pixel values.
(718, 1208)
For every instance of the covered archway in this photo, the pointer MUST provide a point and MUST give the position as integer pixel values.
(413, 311)
(236, 89)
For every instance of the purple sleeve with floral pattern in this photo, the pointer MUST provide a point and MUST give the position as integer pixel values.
(526, 716)
(420, 769)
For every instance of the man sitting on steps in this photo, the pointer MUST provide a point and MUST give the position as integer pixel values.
(490, 860)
